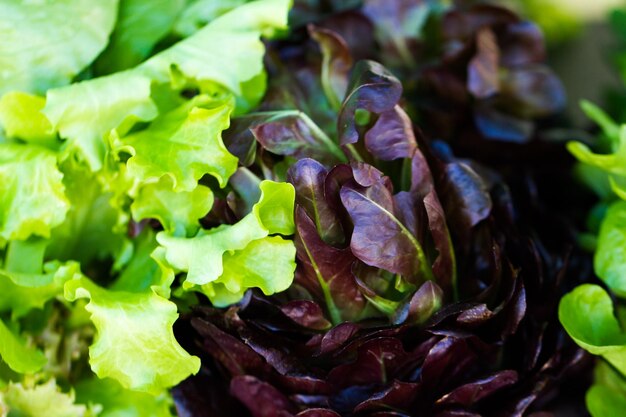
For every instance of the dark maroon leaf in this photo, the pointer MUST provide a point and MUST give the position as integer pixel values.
(400, 395)
(532, 92)
(336, 63)
(395, 249)
(398, 26)
(378, 361)
(372, 88)
(231, 352)
(262, 399)
(337, 336)
(306, 313)
(318, 412)
(483, 72)
(469, 394)
(327, 271)
(522, 44)
(425, 302)
(309, 179)
(467, 201)
(392, 136)
(292, 133)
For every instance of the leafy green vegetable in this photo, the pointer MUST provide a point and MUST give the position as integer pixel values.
(22, 212)
(178, 212)
(140, 25)
(17, 355)
(224, 255)
(46, 44)
(42, 400)
(20, 114)
(184, 144)
(135, 343)
(111, 133)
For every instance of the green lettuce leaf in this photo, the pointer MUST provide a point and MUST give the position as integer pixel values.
(184, 144)
(135, 342)
(200, 12)
(45, 44)
(140, 25)
(204, 57)
(119, 402)
(178, 212)
(610, 258)
(201, 256)
(587, 315)
(42, 400)
(17, 355)
(32, 199)
(267, 264)
(94, 229)
(21, 117)
(214, 256)
(85, 112)
(607, 396)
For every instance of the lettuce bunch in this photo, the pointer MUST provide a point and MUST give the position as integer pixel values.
(427, 282)
(111, 156)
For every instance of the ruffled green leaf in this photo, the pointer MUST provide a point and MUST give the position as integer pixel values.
(267, 264)
(204, 256)
(184, 144)
(17, 355)
(135, 344)
(93, 229)
(178, 212)
(32, 199)
(21, 117)
(42, 400)
(85, 112)
(46, 43)
(205, 57)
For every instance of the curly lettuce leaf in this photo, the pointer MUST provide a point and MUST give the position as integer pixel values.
(205, 256)
(21, 117)
(184, 145)
(135, 342)
(42, 400)
(15, 353)
(32, 199)
(85, 112)
(267, 264)
(203, 57)
(46, 44)
(178, 212)
(140, 25)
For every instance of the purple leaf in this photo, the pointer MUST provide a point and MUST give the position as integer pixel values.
(379, 238)
(309, 178)
(373, 88)
(392, 136)
(336, 63)
(327, 271)
(469, 394)
(262, 399)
